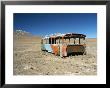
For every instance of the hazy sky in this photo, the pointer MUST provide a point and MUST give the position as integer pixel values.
(50, 23)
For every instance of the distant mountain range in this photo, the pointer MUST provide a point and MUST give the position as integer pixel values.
(20, 35)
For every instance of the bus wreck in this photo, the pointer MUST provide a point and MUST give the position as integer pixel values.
(64, 44)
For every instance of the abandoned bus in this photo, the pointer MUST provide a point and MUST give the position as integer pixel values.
(64, 44)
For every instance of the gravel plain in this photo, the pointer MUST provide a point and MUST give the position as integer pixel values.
(28, 59)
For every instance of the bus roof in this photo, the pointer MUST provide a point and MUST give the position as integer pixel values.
(65, 36)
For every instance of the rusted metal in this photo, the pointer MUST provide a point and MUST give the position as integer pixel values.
(62, 48)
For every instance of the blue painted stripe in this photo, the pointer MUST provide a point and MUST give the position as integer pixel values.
(48, 47)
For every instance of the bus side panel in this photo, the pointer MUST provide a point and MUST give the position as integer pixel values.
(64, 50)
(75, 48)
(48, 48)
(55, 49)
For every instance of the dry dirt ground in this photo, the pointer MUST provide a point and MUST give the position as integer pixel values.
(28, 59)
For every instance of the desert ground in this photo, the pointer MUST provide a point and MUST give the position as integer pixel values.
(28, 59)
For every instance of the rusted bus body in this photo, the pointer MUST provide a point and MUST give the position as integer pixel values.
(58, 46)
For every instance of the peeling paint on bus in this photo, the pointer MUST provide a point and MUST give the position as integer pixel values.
(61, 48)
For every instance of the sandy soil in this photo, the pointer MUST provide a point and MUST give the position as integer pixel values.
(30, 60)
